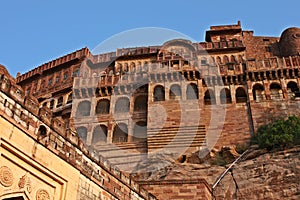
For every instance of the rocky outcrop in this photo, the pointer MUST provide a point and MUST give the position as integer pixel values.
(259, 175)
(272, 175)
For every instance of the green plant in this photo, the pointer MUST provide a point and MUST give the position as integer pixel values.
(278, 134)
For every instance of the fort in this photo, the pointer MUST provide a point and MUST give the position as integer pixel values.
(78, 126)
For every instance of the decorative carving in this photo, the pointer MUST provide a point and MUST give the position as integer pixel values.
(25, 183)
(6, 176)
(42, 194)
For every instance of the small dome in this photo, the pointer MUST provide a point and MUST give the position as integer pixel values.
(290, 42)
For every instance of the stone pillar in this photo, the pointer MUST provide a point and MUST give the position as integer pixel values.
(249, 90)
(130, 130)
(130, 121)
(217, 94)
(284, 88)
(232, 93)
(167, 91)
(93, 106)
(200, 93)
(183, 86)
(267, 89)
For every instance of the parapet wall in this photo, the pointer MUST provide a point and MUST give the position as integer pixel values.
(24, 112)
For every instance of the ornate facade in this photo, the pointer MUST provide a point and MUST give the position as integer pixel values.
(132, 103)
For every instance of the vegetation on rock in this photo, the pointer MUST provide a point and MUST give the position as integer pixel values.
(282, 133)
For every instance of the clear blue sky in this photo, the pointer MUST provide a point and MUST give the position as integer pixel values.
(35, 32)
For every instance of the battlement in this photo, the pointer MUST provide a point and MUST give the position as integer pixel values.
(24, 112)
(54, 63)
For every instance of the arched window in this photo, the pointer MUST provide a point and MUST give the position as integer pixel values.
(82, 133)
(240, 95)
(293, 89)
(209, 97)
(83, 109)
(42, 131)
(141, 103)
(225, 59)
(276, 91)
(59, 102)
(159, 93)
(126, 67)
(99, 134)
(132, 67)
(120, 133)
(219, 61)
(175, 92)
(225, 96)
(140, 132)
(192, 91)
(232, 59)
(258, 92)
(103, 106)
(122, 105)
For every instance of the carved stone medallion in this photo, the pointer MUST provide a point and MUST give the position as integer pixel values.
(6, 176)
(42, 194)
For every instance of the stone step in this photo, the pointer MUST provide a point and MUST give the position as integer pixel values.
(177, 137)
(124, 145)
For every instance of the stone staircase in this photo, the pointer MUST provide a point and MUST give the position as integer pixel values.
(125, 155)
(176, 137)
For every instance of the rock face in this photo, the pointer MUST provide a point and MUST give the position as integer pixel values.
(259, 175)
(268, 176)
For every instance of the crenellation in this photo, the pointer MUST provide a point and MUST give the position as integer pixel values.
(87, 110)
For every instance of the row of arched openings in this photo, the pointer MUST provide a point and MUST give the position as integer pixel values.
(140, 104)
(175, 92)
(225, 96)
(258, 91)
(192, 93)
(120, 133)
(122, 106)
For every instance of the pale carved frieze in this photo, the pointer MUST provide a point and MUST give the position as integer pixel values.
(6, 176)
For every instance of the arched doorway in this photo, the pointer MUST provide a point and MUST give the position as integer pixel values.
(175, 92)
(258, 92)
(141, 103)
(276, 91)
(192, 91)
(140, 132)
(83, 109)
(120, 133)
(82, 133)
(159, 93)
(225, 96)
(122, 105)
(99, 134)
(103, 107)
(293, 89)
(240, 95)
(209, 97)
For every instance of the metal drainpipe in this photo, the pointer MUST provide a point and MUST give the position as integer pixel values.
(225, 172)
